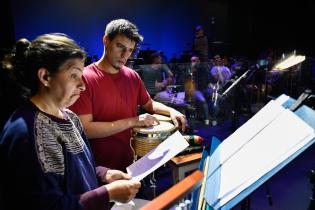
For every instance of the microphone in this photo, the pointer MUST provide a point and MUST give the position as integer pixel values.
(196, 144)
(194, 140)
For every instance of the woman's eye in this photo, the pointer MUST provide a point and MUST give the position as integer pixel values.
(74, 76)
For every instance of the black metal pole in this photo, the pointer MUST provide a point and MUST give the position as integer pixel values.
(311, 177)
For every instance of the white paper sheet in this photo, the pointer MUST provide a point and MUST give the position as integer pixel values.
(170, 147)
(268, 168)
(275, 143)
(282, 99)
(135, 204)
(247, 131)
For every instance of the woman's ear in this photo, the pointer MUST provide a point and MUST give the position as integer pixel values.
(43, 76)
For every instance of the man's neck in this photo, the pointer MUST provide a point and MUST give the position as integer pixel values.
(105, 66)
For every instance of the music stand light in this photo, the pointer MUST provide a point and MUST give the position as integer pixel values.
(289, 61)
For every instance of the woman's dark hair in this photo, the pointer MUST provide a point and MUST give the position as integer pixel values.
(18, 69)
(47, 51)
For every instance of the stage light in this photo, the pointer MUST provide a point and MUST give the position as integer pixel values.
(289, 61)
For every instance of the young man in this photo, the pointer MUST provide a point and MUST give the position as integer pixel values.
(108, 106)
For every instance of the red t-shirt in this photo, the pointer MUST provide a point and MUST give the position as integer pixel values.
(111, 97)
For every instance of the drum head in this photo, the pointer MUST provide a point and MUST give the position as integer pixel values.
(162, 118)
(162, 127)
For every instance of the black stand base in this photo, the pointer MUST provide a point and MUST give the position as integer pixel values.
(245, 205)
(269, 196)
(311, 177)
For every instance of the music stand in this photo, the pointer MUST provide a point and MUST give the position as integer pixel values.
(224, 191)
(302, 115)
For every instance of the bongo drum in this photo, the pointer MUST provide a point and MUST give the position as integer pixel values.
(147, 138)
(162, 118)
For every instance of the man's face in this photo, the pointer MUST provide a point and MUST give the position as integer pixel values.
(118, 50)
(194, 61)
(157, 60)
(217, 60)
(199, 33)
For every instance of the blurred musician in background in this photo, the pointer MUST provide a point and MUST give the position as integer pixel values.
(200, 45)
(219, 71)
(156, 76)
(220, 75)
(196, 85)
(189, 90)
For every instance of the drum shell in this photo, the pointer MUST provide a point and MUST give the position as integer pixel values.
(145, 142)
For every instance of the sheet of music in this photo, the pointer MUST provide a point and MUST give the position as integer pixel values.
(251, 128)
(167, 149)
(244, 134)
(249, 154)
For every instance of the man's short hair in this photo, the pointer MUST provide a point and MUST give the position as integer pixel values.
(155, 54)
(123, 27)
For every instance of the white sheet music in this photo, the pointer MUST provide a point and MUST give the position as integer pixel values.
(282, 99)
(170, 147)
(247, 131)
(276, 139)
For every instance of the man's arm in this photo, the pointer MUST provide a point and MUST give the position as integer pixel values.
(155, 107)
(104, 129)
(170, 75)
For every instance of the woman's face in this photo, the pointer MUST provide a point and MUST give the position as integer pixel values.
(67, 84)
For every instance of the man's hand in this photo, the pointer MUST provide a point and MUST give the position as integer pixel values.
(114, 175)
(145, 120)
(178, 119)
(160, 85)
(123, 190)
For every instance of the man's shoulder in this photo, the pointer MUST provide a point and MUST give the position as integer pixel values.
(128, 71)
(90, 68)
(214, 68)
(91, 72)
(226, 68)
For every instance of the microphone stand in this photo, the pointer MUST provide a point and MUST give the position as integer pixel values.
(236, 108)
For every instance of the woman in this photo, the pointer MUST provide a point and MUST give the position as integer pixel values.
(46, 162)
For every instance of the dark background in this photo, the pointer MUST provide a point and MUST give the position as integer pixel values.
(235, 27)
